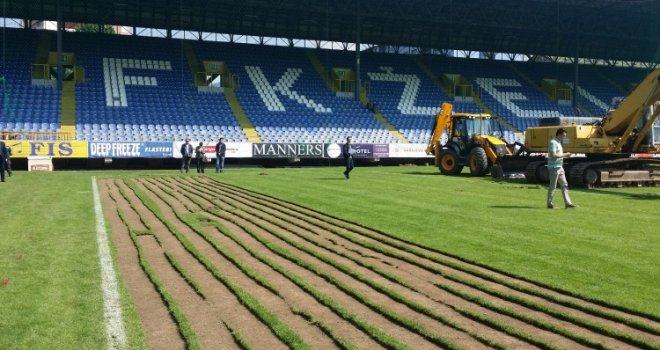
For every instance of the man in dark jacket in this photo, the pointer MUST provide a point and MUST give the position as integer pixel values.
(186, 155)
(220, 150)
(3, 159)
(347, 151)
(8, 161)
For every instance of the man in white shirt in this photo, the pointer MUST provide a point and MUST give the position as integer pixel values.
(556, 173)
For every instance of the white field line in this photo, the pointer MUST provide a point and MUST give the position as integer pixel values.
(114, 323)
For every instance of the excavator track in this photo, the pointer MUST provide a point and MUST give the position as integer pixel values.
(617, 173)
(531, 171)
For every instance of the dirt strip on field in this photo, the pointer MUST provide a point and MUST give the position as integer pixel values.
(328, 282)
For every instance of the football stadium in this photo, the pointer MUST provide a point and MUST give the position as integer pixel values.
(369, 174)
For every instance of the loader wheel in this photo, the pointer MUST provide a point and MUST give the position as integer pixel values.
(542, 174)
(449, 164)
(496, 171)
(478, 161)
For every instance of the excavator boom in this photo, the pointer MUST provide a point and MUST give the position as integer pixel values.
(608, 145)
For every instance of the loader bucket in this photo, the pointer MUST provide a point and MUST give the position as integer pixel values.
(513, 167)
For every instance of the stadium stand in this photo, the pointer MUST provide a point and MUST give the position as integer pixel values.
(140, 89)
(288, 101)
(595, 92)
(400, 90)
(26, 107)
(503, 90)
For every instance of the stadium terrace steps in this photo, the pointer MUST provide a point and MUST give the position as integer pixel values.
(288, 101)
(26, 107)
(477, 101)
(43, 48)
(623, 90)
(431, 75)
(364, 99)
(383, 120)
(595, 94)
(320, 69)
(193, 63)
(529, 80)
(241, 117)
(141, 89)
(68, 103)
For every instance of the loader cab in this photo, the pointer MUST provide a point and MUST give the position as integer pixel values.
(467, 127)
(468, 144)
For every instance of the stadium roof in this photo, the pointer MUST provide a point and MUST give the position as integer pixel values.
(606, 29)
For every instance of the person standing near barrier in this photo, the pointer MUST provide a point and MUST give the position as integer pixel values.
(8, 161)
(3, 158)
(186, 155)
(220, 151)
(199, 156)
(348, 151)
(556, 173)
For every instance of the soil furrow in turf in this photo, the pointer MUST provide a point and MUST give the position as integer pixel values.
(221, 303)
(296, 234)
(275, 304)
(376, 320)
(651, 321)
(616, 326)
(159, 328)
(348, 302)
(443, 304)
(204, 318)
(509, 285)
(296, 297)
(547, 321)
(446, 299)
(330, 266)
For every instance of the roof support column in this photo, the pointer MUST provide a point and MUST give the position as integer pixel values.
(576, 79)
(60, 28)
(576, 61)
(357, 54)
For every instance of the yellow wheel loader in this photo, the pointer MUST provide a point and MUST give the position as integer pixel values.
(473, 140)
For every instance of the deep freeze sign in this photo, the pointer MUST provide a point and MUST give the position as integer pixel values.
(130, 149)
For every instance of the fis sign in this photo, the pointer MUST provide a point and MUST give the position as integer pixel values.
(55, 149)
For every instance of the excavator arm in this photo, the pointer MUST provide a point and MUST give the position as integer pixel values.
(442, 122)
(622, 121)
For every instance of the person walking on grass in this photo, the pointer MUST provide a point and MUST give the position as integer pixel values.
(348, 151)
(186, 155)
(220, 150)
(3, 158)
(199, 156)
(8, 161)
(556, 172)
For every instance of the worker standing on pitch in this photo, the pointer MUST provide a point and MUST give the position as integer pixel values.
(347, 151)
(556, 173)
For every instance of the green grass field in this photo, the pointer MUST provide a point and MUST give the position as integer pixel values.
(608, 249)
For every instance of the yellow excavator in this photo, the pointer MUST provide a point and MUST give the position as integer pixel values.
(619, 150)
(473, 140)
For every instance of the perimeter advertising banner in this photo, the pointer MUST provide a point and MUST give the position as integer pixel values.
(362, 150)
(55, 149)
(287, 150)
(130, 149)
(234, 149)
(408, 150)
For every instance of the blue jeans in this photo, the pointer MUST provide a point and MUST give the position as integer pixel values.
(219, 164)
